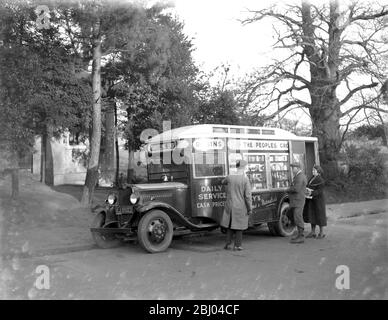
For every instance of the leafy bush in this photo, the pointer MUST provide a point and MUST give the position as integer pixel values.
(370, 132)
(366, 176)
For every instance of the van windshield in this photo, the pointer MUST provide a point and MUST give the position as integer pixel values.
(157, 169)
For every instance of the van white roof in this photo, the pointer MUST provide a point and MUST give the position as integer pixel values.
(227, 131)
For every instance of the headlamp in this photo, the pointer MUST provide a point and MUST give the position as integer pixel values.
(111, 199)
(133, 198)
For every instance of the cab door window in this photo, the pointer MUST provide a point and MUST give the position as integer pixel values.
(209, 164)
(298, 153)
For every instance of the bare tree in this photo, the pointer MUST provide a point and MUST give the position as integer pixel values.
(331, 55)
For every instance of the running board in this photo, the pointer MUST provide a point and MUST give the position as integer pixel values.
(196, 227)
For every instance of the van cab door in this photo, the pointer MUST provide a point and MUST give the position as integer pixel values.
(298, 154)
(304, 152)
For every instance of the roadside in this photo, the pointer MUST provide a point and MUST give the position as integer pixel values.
(42, 220)
(50, 220)
(355, 209)
(199, 268)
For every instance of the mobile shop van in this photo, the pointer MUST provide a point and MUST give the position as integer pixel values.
(184, 193)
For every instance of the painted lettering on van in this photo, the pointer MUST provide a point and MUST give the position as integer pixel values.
(260, 201)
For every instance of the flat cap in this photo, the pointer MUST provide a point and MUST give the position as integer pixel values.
(295, 164)
(241, 163)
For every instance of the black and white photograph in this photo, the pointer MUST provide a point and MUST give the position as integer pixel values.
(212, 152)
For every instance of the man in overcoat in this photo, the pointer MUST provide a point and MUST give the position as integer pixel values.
(238, 205)
(297, 193)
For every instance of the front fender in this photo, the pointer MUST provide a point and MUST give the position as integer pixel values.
(174, 214)
(108, 211)
(99, 208)
(283, 198)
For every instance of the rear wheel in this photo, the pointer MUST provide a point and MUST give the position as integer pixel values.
(285, 226)
(104, 241)
(155, 231)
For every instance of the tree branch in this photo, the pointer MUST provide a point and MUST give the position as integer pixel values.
(366, 106)
(298, 102)
(384, 12)
(355, 90)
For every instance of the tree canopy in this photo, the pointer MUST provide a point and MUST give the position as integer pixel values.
(51, 77)
(39, 87)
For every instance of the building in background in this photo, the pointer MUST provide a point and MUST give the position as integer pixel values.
(66, 161)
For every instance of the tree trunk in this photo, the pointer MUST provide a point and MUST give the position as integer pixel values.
(326, 126)
(95, 143)
(117, 149)
(15, 183)
(384, 132)
(47, 161)
(108, 163)
(130, 171)
(324, 108)
(43, 158)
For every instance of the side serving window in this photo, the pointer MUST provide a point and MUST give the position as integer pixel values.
(209, 164)
(279, 165)
(268, 171)
(257, 170)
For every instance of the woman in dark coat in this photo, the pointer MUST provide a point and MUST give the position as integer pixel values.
(315, 208)
(238, 206)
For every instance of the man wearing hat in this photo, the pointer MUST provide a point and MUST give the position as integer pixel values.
(238, 205)
(297, 199)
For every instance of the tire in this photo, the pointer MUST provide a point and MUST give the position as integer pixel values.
(103, 241)
(284, 227)
(155, 231)
(271, 228)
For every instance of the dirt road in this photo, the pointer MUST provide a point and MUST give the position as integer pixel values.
(198, 268)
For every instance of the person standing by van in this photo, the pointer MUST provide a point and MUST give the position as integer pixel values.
(238, 206)
(315, 208)
(297, 193)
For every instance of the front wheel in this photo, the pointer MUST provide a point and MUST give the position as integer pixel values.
(155, 231)
(285, 226)
(103, 241)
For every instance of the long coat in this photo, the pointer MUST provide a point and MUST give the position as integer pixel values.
(315, 209)
(297, 190)
(238, 202)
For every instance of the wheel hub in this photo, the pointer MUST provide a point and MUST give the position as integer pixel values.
(157, 231)
(286, 222)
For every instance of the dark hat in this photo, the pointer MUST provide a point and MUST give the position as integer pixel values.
(241, 163)
(295, 165)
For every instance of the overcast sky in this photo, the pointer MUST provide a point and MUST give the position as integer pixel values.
(219, 37)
